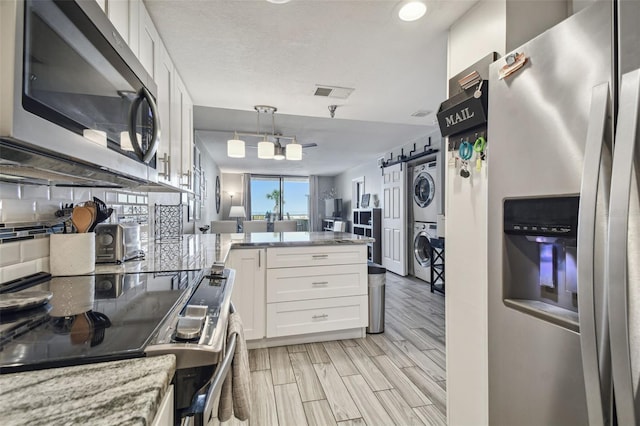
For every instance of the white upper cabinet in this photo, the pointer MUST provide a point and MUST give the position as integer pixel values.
(125, 16)
(118, 13)
(175, 152)
(183, 118)
(148, 42)
(167, 166)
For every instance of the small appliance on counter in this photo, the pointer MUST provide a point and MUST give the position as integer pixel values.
(117, 243)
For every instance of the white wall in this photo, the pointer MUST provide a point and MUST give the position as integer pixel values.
(372, 185)
(211, 170)
(490, 26)
(481, 31)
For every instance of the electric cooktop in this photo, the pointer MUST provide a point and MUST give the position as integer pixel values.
(89, 318)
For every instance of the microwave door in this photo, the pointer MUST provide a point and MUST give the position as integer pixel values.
(73, 77)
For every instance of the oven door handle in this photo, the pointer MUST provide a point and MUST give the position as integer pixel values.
(203, 400)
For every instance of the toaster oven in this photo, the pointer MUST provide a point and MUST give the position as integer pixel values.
(117, 243)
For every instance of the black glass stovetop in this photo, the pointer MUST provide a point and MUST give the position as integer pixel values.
(91, 318)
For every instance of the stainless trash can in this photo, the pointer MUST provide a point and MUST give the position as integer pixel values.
(377, 282)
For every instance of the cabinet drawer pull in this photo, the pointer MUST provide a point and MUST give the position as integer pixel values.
(320, 283)
(323, 316)
(319, 256)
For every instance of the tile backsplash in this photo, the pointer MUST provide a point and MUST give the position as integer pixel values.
(27, 217)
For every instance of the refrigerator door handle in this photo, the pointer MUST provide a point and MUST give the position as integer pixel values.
(624, 156)
(595, 393)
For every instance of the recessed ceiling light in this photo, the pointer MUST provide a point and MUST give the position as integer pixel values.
(279, 1)
(412, 11)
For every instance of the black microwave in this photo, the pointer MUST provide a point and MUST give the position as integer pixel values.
(73, 88)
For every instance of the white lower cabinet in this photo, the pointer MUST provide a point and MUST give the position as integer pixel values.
(296, 291)
(249, 289)
(164, 416)
(289, 284)
(316, 315)
(316, 289)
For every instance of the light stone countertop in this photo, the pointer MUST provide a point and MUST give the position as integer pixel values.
(125, 392)
(198, 251)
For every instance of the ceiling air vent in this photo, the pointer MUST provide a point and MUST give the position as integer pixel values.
(421, 113)
(332, 91)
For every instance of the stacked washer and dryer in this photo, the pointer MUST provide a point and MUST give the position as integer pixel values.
(426, 199)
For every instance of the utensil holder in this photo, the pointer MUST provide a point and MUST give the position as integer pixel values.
(72, 254)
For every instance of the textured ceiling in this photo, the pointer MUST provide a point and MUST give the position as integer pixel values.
(235, 54)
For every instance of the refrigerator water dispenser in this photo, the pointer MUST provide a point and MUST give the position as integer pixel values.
(539, 260)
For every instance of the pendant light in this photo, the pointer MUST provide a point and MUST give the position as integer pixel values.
(265, 149)
(294, 150)
(235, 147)
(278, 152)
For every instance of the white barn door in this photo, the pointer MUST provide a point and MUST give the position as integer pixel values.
(394, 218)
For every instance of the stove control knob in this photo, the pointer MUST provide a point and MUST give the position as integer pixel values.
(189, 328)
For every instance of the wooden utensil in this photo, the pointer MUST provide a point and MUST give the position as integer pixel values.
(82, 218)
(81, 329)
(94, 213)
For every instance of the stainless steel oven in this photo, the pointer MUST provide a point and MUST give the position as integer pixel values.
(71, 87)
(129, 315)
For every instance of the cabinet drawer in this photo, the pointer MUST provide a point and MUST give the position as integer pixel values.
(318, 315)
(288, 257)
(288, 284)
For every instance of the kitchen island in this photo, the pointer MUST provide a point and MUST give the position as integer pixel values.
(328, 274)
(290, 287)
(195, 252)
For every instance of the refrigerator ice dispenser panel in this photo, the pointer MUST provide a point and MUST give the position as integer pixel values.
(539, 260)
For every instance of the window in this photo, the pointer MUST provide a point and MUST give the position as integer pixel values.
(280, 198)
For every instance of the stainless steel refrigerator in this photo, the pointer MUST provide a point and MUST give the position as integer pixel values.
(564, 223)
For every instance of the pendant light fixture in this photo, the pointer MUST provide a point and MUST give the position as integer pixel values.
(235, 147)
(269, 146)
(294, 151)
(278, 152)
(266, 149)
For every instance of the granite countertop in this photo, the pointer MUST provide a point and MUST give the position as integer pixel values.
(195, 252)
(119, 392)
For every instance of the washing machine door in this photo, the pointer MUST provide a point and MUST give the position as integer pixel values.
(422, 249)
(424, 189)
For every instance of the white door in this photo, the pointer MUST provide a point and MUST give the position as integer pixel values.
(394, 218)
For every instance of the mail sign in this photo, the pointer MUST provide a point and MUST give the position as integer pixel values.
(462, 113)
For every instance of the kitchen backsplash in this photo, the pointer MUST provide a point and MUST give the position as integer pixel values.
(28, 211)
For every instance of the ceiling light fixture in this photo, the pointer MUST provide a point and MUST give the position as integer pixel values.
(266, 148)
(278, 1)
(294, 151)
(412, 11)
(235, 147)
(279, 153)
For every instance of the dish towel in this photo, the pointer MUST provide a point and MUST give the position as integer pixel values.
(236, 389)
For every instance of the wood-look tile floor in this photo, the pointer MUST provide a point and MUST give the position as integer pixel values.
(393, 378)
